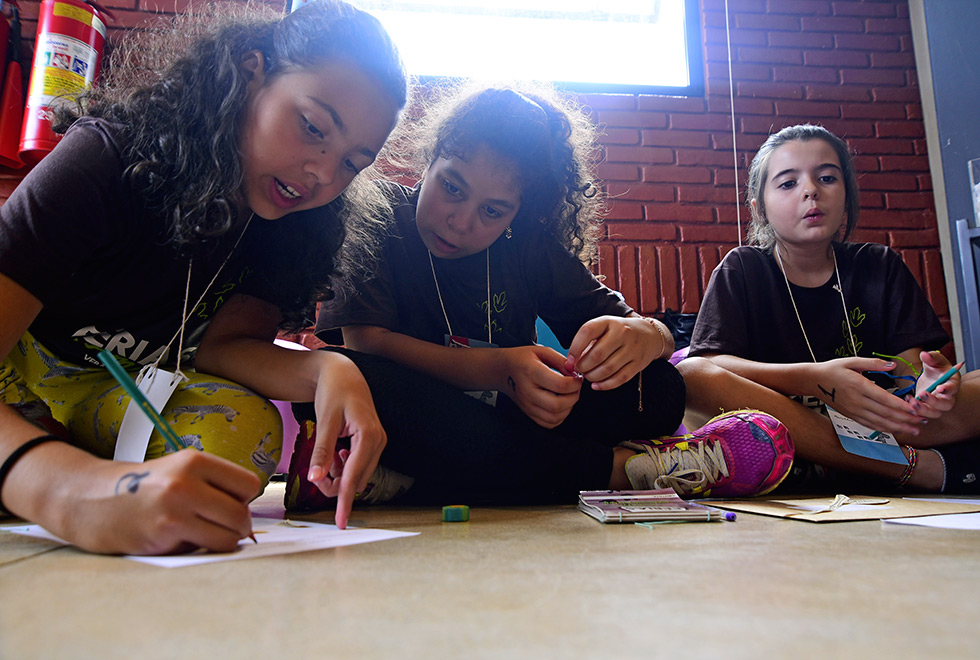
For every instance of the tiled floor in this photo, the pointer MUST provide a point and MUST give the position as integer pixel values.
(531, 582)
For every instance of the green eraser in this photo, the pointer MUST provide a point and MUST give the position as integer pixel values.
(455, 513)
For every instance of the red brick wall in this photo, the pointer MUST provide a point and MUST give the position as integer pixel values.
(846, 64)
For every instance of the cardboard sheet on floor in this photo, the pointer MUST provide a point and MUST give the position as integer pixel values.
(816, 508)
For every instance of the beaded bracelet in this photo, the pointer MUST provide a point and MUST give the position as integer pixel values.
(913, 457)
(16, 456)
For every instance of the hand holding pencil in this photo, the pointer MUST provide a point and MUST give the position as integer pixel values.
(214, 478)
(937, 387)
(941, 381)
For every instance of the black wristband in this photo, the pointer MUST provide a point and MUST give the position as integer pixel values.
(16, 456)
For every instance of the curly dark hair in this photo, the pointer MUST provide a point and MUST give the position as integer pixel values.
(550, 141)
(760, 231)
(181, 95)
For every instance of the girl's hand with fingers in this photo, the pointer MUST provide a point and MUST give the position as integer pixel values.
(842, 385)
(177, 503)
(344, 409)
(932, 405)
(610, 350)
(538, 382)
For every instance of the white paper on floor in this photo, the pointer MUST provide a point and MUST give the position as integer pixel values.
(275, 537)
(948, 521)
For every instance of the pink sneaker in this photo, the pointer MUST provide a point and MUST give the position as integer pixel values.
(736, 454)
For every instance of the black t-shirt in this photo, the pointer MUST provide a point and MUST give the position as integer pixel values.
(529, 276)
(79, 238)
(747, 311)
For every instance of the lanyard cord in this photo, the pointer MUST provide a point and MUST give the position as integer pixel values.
(837, 286)
(731, 101)
(443, 305)
(185, 315)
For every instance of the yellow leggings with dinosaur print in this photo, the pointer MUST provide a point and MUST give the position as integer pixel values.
(209, 413)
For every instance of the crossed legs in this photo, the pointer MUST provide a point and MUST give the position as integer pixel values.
(712, 389)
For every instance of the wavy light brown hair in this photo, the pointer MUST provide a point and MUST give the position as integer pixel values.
(180, 94)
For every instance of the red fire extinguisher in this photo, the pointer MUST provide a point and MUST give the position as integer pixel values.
(67, 58)
(12, 98)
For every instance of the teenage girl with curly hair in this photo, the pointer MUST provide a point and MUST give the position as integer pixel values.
(169, 227)
(498, 233)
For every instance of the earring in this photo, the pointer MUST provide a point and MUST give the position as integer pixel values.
(509, 233)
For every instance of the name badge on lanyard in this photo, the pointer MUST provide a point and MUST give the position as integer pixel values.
(157, 385)
(858, 439)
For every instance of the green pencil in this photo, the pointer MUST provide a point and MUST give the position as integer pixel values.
(172, 439)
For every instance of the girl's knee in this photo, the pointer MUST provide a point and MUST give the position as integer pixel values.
(228, 421)
(258, 433)
(694, 369)
(708, 385)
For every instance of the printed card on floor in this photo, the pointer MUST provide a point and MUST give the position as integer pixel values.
(863, 441)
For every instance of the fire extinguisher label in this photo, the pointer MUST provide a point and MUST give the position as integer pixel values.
(81, 15)
(63, 67)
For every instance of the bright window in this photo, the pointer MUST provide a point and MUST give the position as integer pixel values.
(649, 46)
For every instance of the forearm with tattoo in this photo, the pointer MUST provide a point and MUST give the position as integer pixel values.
(130, 482)
(832, 394)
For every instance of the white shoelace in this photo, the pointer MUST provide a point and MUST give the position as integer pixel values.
(698, 464)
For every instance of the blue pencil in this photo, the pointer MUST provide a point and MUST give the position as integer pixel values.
(942, 379)
(172, 439)
(936, 383)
